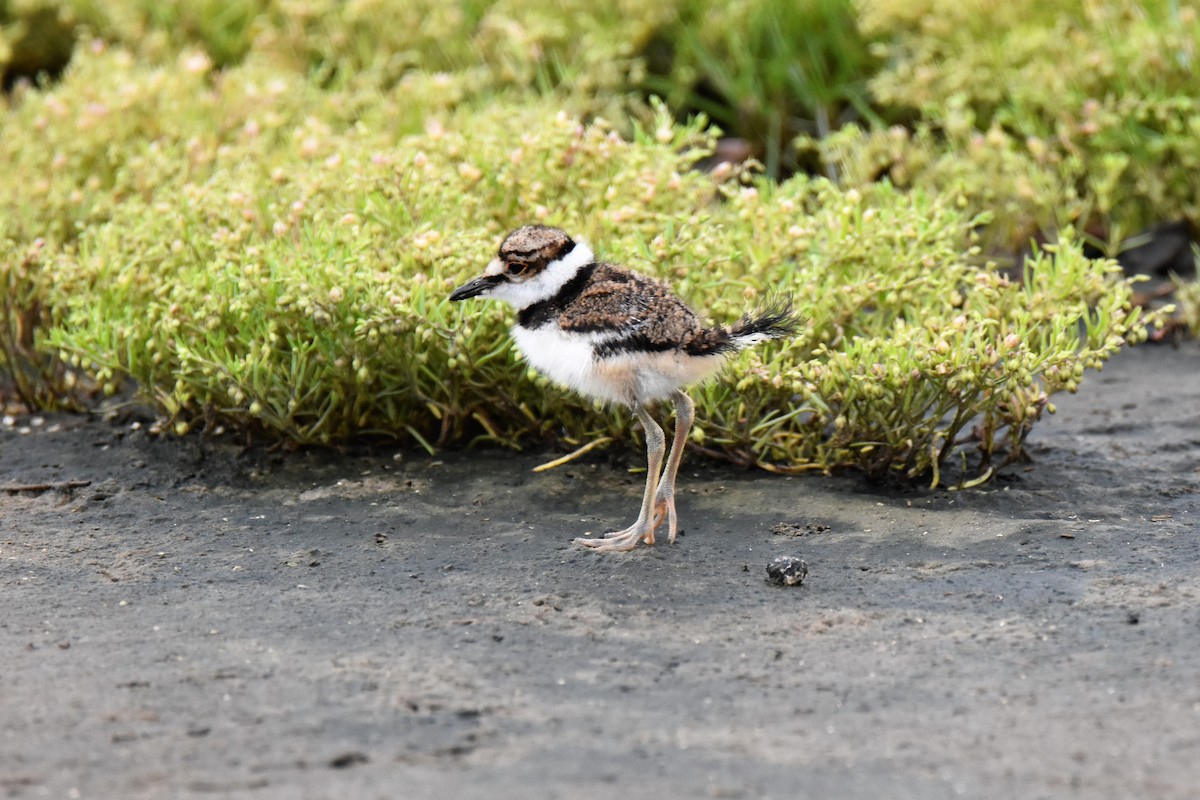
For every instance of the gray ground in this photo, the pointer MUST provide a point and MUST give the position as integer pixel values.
(202, 622)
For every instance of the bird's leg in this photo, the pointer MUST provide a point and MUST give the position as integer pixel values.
(643, 528)
(664, 501)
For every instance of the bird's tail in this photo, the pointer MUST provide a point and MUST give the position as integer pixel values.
(775, 320)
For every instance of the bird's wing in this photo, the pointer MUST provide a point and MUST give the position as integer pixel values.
(631, 306)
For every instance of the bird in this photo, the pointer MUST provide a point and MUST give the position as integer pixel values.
(611, 334)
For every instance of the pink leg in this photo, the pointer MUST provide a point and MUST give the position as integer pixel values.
(664, 502)
(643, 528)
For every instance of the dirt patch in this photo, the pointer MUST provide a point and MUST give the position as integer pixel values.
(182, 618)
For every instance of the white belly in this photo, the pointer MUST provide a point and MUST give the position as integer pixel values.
(629, 378)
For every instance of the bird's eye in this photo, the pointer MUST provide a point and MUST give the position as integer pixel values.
(516, 269)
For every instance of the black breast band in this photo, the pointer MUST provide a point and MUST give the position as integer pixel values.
(544, 311)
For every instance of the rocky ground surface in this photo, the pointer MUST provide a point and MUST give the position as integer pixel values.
(185, 619)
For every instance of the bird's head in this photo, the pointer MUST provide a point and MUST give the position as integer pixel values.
(533, 263)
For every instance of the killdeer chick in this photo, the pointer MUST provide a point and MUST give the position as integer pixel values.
(612, 334)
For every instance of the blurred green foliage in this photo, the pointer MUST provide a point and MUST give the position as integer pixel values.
(767, 71)
(1103, 94)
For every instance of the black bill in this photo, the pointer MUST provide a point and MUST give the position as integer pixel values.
(476, 287)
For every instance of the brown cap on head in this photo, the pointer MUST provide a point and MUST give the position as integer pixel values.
(529, 249)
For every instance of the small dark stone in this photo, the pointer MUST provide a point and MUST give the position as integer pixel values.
(1133, 618)
(348, 760)
(787, 570)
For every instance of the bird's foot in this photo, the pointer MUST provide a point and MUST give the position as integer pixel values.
(664, 509)
(621, 541)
